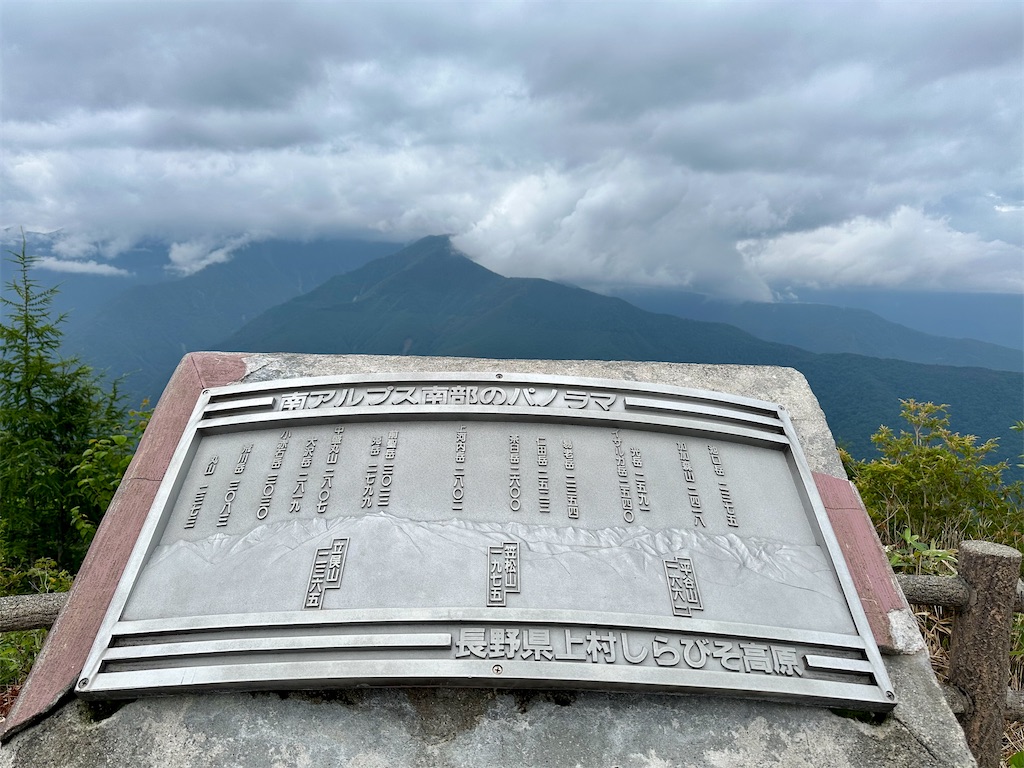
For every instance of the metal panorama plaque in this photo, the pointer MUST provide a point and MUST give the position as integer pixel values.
(488, 530)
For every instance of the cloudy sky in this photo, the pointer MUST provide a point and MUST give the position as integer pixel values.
(742, 148)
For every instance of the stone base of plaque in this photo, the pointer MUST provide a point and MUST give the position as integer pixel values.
(454, 726)
(466, 727)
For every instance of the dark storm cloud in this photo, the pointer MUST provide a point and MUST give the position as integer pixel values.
(737, 148)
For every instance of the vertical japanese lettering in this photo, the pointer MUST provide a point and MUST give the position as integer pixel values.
(268, 491)
(243, 459)
(307, 453)
(682, 586)
(197, 505)
(691, 485)
(502, 572)
(572, 504)
(326, 484)
(370, 478)
(514, 478)
(280, 450)
(328, 568)
(459, 481)
(390, 451)
(637, 459)
(625, 493)
(723, 487)
(229, 499)
(334, 449)
(298, 493)
(543, 485)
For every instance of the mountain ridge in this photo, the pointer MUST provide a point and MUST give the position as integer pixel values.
(431, 300)
(827, 328)
(146, 329)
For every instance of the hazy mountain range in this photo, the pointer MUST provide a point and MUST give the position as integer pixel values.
(351, 297)
(826, 328)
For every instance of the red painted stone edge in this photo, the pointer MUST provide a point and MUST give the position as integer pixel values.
(865, 557)
(68, 643)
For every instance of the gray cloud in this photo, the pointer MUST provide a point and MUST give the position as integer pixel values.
(742, 150)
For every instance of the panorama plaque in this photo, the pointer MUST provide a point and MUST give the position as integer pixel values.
(488, 530)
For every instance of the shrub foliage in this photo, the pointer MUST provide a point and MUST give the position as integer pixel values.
(937, 484)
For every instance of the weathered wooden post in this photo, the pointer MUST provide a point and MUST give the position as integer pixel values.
(980, 652)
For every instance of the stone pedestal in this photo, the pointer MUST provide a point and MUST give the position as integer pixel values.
(478, 727)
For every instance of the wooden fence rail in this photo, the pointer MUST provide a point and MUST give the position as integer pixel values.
(30, 611)
(985, 596)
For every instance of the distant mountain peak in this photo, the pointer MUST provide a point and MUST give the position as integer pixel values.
(435, 241)
(432, 246)
(424, 261)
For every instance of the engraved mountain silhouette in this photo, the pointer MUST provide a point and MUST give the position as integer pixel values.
(429, 299)
(418, 563)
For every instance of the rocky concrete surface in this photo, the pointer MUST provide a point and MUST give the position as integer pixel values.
(467, 727)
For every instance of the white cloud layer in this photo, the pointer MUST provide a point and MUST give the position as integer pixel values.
(88, 267)
(190, 257)
(908, 250)
(737, 149)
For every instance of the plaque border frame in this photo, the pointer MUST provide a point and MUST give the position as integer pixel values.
(220, 409)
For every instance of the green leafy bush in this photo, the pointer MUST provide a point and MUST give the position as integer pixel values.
(936, 483)
(933, 485)
(18, 650)
(911, 555)
(103, 465)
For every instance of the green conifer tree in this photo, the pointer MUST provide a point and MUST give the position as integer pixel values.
(51, 407)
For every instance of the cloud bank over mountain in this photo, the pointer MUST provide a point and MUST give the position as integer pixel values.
(741, 150)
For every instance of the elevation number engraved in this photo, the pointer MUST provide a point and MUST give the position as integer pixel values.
(502, 572)
(327, 481)
(515, 479)
(693, 496)
(723, 486)
(388, 472)
(682, 587)
(328, 568)
(543, 481)
(459, 479)
(622, 472)
(197, 505)
(572, 504)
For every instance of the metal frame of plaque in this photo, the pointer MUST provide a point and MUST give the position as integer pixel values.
(491, 530)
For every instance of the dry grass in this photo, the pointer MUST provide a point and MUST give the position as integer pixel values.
(936, 625)
(8, 695)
